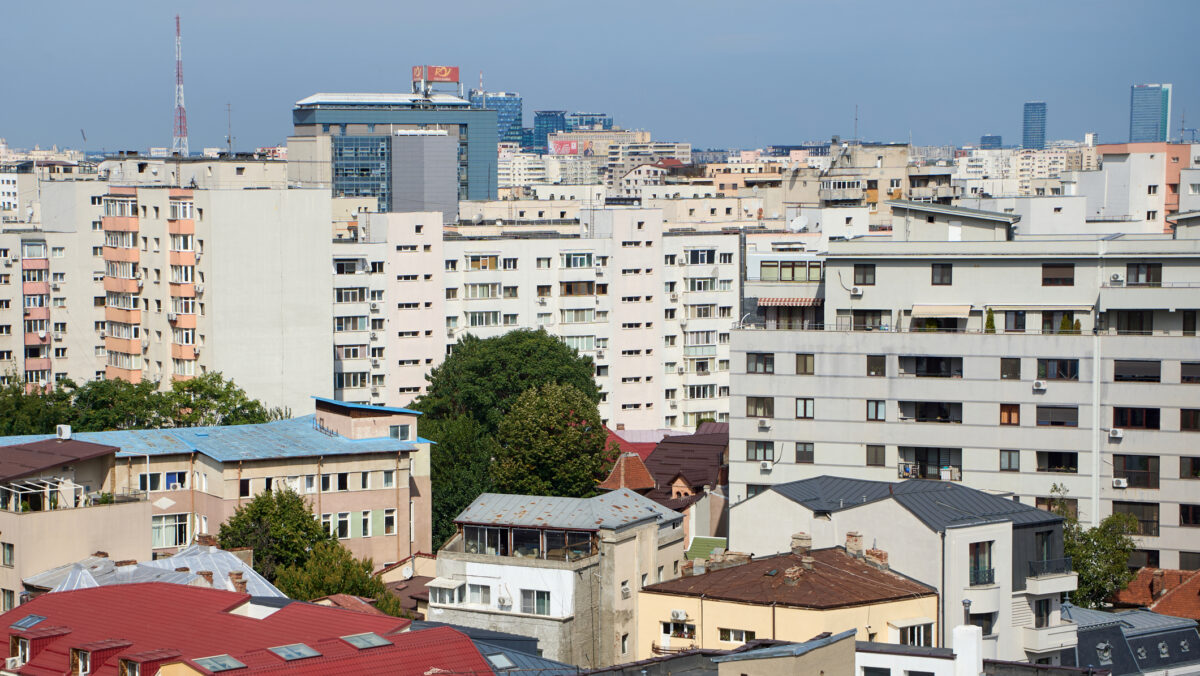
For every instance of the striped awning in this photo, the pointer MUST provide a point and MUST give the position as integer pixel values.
(941, 311)
(790, 302)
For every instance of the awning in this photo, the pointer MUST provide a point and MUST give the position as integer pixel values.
(444, 583)
(910, 622)
(790, 302)
(1042, 308)
(941, 311)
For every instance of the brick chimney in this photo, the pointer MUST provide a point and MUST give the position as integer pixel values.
(801, 544)
(1156, 583)
(791, 576)
(854, 544)
(239, 585)
(100, 555)
(182, 569)
(207, 575)
(806, 562)
(206, 539)
(877, 558)
(125, 562)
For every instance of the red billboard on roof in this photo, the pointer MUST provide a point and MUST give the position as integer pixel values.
(435, 73)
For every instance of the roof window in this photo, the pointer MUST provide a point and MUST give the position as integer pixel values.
(295, 651)
(367, 640)
(218, 663)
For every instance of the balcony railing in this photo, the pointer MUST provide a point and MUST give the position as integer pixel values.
(664, 650)
(923, 470)
(1050, 567)
(983, 576)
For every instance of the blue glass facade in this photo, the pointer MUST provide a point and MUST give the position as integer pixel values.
(546, 122)
(509, 112)
(1149, 112)
(362, 167)
(589, 120)
(990, 141)
(1034, 132)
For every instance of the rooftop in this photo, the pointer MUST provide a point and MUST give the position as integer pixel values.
(937, 504)
(379, 99)
(1170, 592)
(1133, 622)
(836, 580)
(787, 649)
(612, 510)
(628, 472)
(24, 459)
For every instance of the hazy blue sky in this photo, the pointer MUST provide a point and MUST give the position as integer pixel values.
(729, 74)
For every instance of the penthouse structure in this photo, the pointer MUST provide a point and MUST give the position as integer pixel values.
(963, 352)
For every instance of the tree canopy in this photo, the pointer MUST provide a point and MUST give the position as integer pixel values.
(1100, 555)
(551, 443)
(332, 569)
(101, 405)
(279, 526)
(460, 468)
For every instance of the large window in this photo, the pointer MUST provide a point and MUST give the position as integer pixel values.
(169, 530)
(760, 362)
(917, 635)
(1058, 275)
(1058, 416)
(760, 407)
(1058, 461)
(735, 635)
(535, 602)
(1146, 514)
(876, 456)
(1189, 372)
(1143, 274)
(1140, 471)
(864, 274)
(1135, 418)
(1010, 368)
(1189, 515)
(757, 450)
(575, 260)
(1139, 371)
(1058, 369)
(1189, 419)
(877, 365)
(805, 453)
(1189, 467)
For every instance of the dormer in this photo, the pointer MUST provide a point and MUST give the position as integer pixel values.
(363, 421)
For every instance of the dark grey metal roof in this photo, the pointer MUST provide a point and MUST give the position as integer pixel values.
(618, 508)
(953, 210)
(938, 504)
(1133, 641)
(900, 649)
(787, 649)
(526, 663)
(507, 641)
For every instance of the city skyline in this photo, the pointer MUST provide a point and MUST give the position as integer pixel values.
(130, 90)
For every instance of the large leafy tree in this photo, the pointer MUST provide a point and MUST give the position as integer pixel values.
(279, 526)
(460, 468)
(117, 405)
(332, 569)
(1100, 555)
(552, 443)
(33, 412)
(210, 399)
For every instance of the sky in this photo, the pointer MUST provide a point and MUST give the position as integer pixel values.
(740, 74)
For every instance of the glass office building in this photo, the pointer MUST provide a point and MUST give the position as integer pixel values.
(589, 121)
(509, 112)
(545, 123)
(1149, 113)
(1034, 132)
(990, 141)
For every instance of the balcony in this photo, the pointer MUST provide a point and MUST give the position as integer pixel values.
(1050, 639)
(923, 470)
(1168, 295)
(1052, 576)
(840, 194)
(930, 412)
(981, 577)
(935, 192)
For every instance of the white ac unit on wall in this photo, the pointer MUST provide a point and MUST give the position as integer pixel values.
(678, 615)
(1039, 384)
(1120, 483)
(765, 465)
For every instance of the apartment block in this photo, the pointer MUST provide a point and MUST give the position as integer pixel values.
(1013, 365)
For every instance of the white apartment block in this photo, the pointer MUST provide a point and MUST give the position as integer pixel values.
(653, 308)
(130, 276)
(8, 195)
(902, 378)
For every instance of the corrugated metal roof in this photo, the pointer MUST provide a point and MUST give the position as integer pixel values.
(96, 571)
(1134, 622)
(938, 504)
(619, 508)
(221, 563)
(787, 649)
(524, 662)
(294, 438)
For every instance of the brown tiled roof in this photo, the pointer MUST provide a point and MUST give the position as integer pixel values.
(836, 580)
(411, 591)
(628, 472)
(24, 459)
(1179, 595)
(698, 458)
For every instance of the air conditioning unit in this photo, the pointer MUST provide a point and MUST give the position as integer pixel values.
(855, 291)
(103, 333)
(375, 363)
(171, 316)
(176, 486)
(765, 465)
(1116, 278)
(62, 431)
(141, 283)
(374, 336)
(674, 404)
(680, 370)
(678, 615)
(541, 301)
(1120, 483)
(374, 307)
(763, 424)
(450, 333)
(1039, 384)
(503, 601)
(682, 322)
(682, 262)
(674, 297)
(599, 272)
(55, 287)
(42, 335)
(625, 591)
(1115, 433)
(8, 262)
(199, 289)
(375, 391)
(599, 354)
(13, 663)
(58, 336)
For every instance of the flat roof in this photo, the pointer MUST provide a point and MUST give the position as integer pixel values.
(23, 459)
(379, 99)
(369, 407)
(618, 508)
(954, 211)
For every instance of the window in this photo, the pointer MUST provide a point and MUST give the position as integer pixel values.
(760, 362)
(679, 629)
(535, 602)
(1189, 467)
(1010, 368)
(1010, 461)
(176, 480)
(876, 409)
(760, 450)
(1010, 414)
(1189, 372)
(1189, 419)
(169, 530)
(804, 408)
(876, 456)
(244, 488)
(985, 621)
(1014, 321)
(1146, 514)
(942, 274)
(1058, 274)
(1058, 369)
(1189, 515)
(1129, 370)
(917, 634)
(760, 407)
(735, 635)
(1058, 461)
(805, 453)
(980, 562)
(864, 274)
(1143, 274)
(877, 365)
(389, 521)
(1135, 418)
(479, 594)
(804, 364)
(1139, 471)
(150, 482)
(7, 554)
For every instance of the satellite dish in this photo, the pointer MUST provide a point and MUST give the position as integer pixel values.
(406, 572)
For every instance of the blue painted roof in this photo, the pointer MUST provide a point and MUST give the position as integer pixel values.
(369, 407)
(294, 438)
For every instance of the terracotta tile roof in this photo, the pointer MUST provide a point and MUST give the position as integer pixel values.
(1167, 592)
(642, 448)
(628, 472)
(836, 580)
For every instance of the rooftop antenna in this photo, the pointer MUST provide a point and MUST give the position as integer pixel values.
(856, 122)
(229, 128)
(481, 80)
(179, 142)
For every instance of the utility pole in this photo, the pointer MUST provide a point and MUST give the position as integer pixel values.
(229, 128)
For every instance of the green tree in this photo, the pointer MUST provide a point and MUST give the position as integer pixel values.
(989, 325)
(279, 526)
(1100, 555)
(332, 569)
(33, 412)
(210, 399)
(552, 443)
(117, 405)
(460, 468)
(483, 377)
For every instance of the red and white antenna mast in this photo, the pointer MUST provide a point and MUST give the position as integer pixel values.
(179, 144)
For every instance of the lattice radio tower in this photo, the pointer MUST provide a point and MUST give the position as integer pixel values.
(179, 143)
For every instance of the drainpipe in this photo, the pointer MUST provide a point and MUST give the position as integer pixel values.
(320, 458)
(191, 482)
(942, 595)
(396, 482)
(239, 488)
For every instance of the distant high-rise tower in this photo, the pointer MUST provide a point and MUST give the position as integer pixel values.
(589, 121)
(509, 112)
(990, 141)
(179, 142)
(1034, 133)
(1149, 112)
(546, 122)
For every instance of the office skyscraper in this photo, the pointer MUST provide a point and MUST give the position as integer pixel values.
(1034, 133)
(589, 120)
(1149, 112)
(509, 113)
(990, 141)
(546, 122)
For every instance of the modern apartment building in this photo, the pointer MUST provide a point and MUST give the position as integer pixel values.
(1137, 182)
(1149, 113)
(363, 470)
(962, 353)
(1033, 132)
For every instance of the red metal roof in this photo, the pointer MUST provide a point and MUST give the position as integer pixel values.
(642, 449)
(159, 619)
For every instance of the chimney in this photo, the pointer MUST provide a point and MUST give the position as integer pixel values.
(125, 562)
(1156, 583)
(806, 562)
(100, 555)
(791, 576)
(877, 558)
(854, 544)
(239, 585)
(206, 539)
(182, 569)
(801, 544)
(207, 575)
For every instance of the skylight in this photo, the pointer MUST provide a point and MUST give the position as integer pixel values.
(219, 663)
(501, 661)
(367, 640)
(27, 622)
(295, 651)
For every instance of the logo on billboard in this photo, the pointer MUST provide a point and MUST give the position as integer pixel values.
(572, 148)
(418, 73)
(435, 73)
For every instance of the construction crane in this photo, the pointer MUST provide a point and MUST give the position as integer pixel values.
(179, 142)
